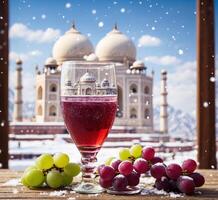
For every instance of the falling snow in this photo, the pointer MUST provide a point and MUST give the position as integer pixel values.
(122, 10)
(68, 5)
(180, 52)
(153, 28)
(94, 11)
(205, 104)
(100, 24)
(212, 79)
(43, 16)
(33, 18)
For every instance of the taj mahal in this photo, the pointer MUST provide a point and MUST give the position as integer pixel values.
(134, 84)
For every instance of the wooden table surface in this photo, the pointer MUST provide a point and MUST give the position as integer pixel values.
(9, 189)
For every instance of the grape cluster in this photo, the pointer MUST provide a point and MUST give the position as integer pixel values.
(176, 178)
(119, 174)
(54, 171)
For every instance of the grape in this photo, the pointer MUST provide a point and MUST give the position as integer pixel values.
(156, 160)
(23, 181)
(163, 184)
(115, 163)
(173, 171)
(148, 153)
(29, 168)
(198, 179)
(133, 179)
(107, 173)
(186, 184)
(108, 161)
(105, 183)
(141, 165)
(158, 170)
(173, 185)
(61, 160)
(45, 161)
(67, 180)
(136, 150)
(54, 179)
(34, 178)
(125, 167)
(124, 154)
(189, 166)
(72, 169)
(120, 182)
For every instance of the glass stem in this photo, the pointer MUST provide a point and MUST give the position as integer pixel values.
(88, 169)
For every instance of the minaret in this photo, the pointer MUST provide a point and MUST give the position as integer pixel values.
(163, 105)
(17, 117)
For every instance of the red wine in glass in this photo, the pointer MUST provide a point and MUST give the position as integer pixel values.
(88, 120)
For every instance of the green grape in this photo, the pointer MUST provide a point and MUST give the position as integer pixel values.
(54, 179)
(29, 168)
(33, 178)
(45, 161)
(72, 169)
(67, 180)
(136, 150)
(124, 154)
(108, 161)
(61, 160)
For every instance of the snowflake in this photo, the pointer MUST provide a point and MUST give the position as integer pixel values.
(152, 28)
(89, 34)
(180, 52)
(167, 13)
(114, 2)
(100, 24)
(68, 5)
(33, 18)
(122, 10)
(173, 37)
(205, 104)
(94, 11)
(43, 16)
(212, 79)
(182, 26)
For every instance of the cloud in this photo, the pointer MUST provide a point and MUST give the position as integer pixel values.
(24, 56)
(19, 30)
(148, 41)
(162, 60)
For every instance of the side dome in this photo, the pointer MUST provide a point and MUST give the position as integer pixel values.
(50, 61)
(116, 47)
(72, 46)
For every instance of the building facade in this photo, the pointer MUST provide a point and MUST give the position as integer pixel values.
(135, 86)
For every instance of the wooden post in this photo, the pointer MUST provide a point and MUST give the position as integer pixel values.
(4, 84)
(206, 132)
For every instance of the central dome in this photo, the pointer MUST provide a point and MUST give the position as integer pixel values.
(116, 47)
(72, 46)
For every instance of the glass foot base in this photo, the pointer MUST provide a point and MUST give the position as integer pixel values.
(88, 188)
(128, 191)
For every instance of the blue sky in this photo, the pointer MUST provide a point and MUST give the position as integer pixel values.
(164, 32)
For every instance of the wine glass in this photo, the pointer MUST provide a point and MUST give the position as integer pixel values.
(89, 104)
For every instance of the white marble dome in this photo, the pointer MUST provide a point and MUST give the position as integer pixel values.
(50, 61)
(138, 65)
(116, 47)
(72, 46)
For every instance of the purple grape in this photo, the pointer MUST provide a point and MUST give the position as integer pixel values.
(120, 182)
(148, 153)
(163, 184)
(107, 173)
(115, 163)
(99, 168)
(105, 183)
(156, 160)
(125, 167)
(141, 165)
(189, 166)
(133, 179)
(198, 179)
(186, 184)
(173, 171)
(158, 170)
(158, 184)
(173, 186)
